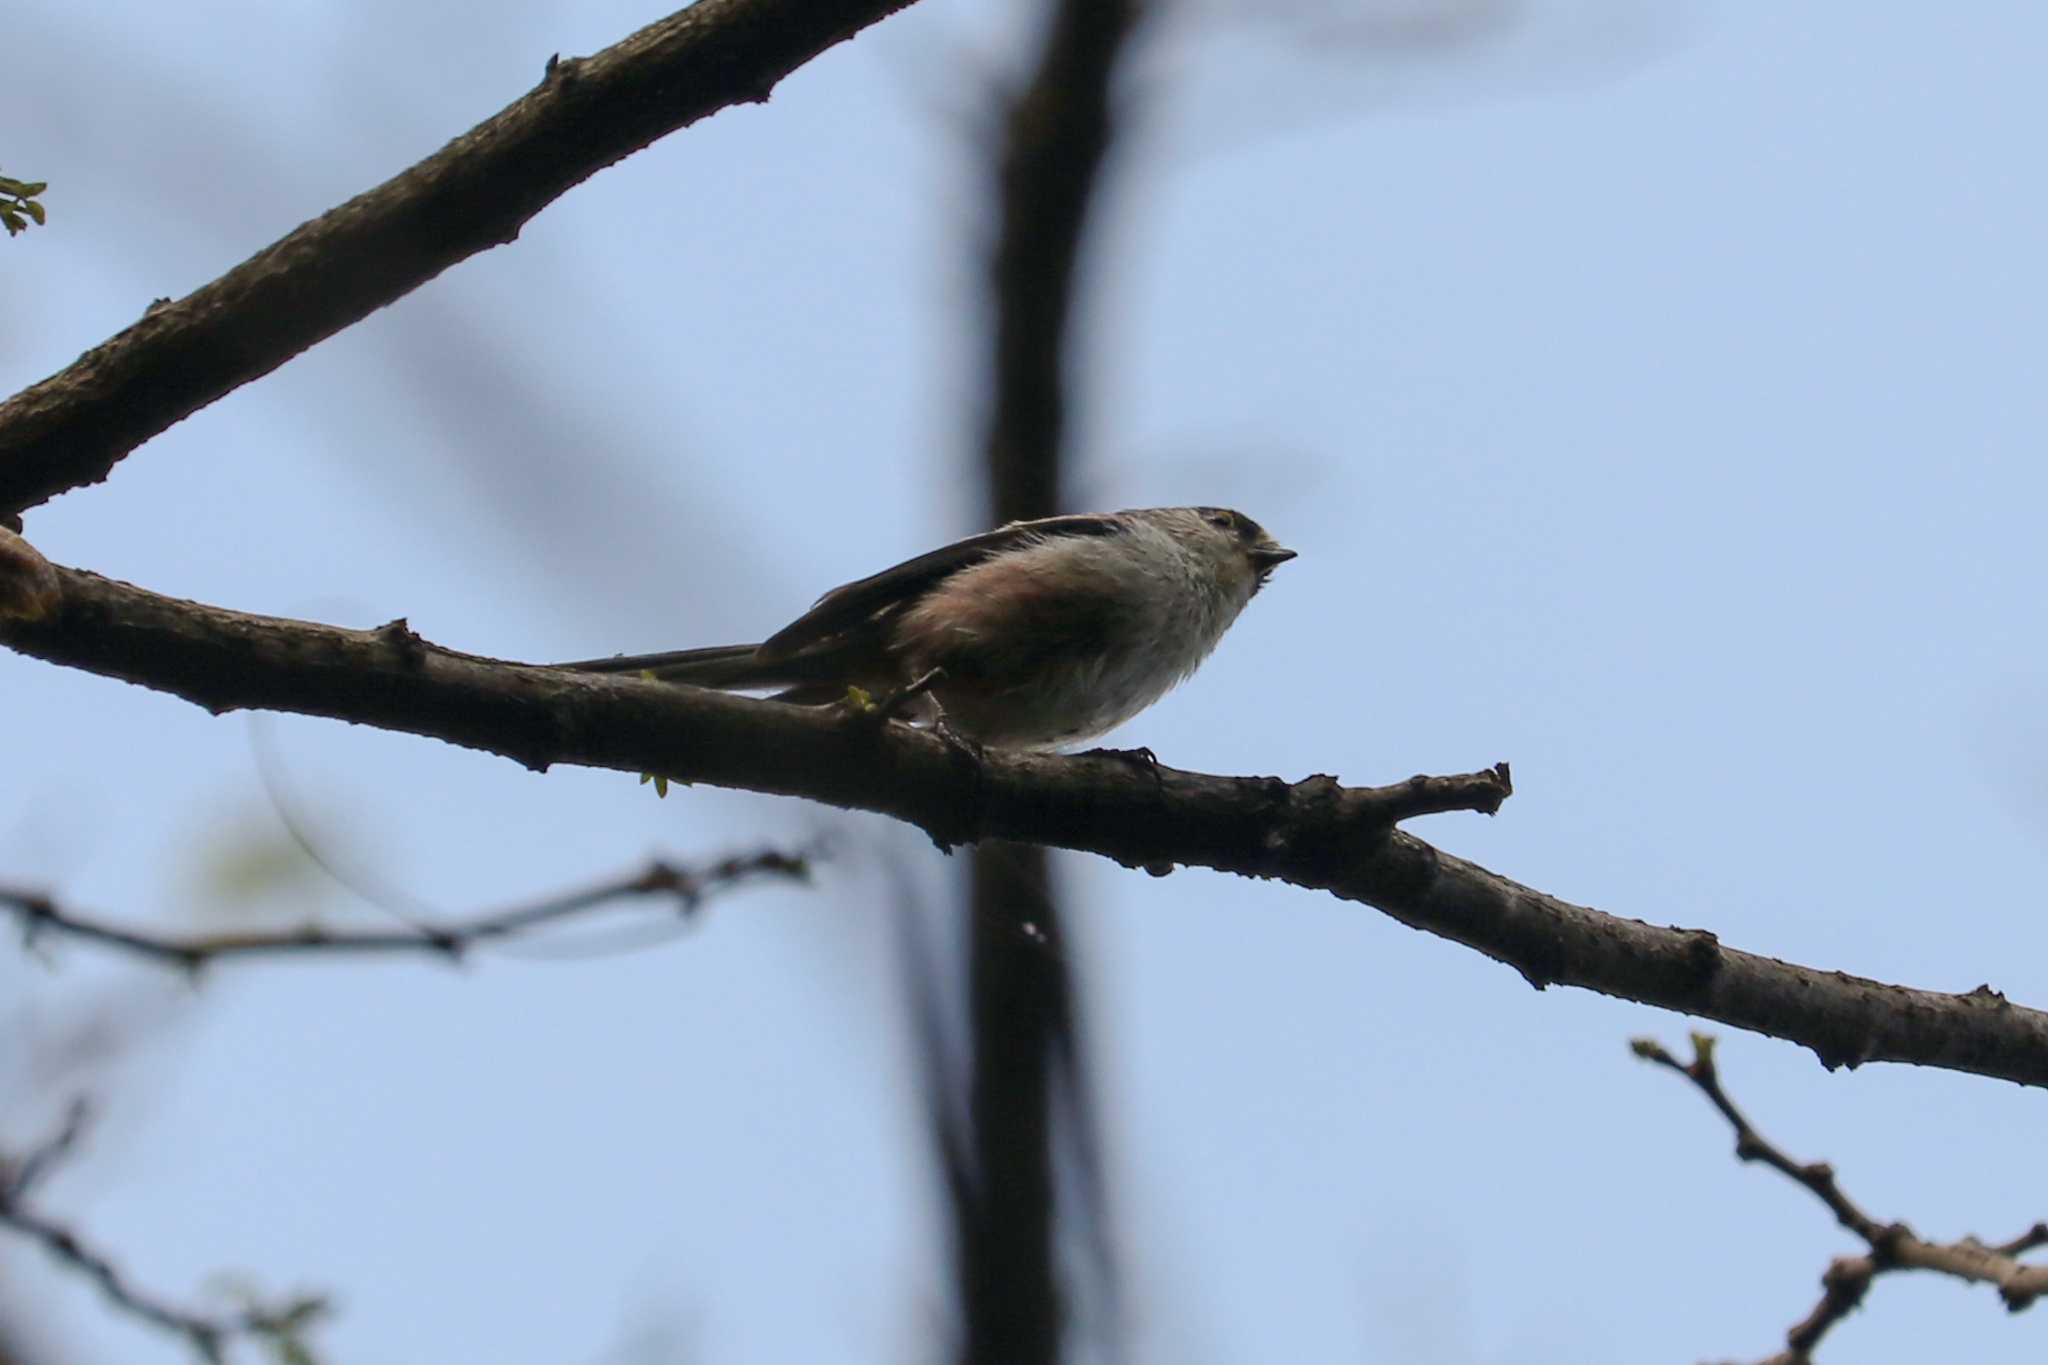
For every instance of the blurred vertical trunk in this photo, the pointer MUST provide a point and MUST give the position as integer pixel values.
(1022, 1019)
(1026, 1059)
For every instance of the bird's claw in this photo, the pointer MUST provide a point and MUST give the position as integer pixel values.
(960, 743)
(1140, 756)
(892, 706)
(863, 707)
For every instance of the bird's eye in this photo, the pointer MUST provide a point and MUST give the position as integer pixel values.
(1222, 520)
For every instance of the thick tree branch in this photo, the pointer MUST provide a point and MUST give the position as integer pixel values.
(474, 194)
(1314, 833)
(686, 888)
(1893, 1246)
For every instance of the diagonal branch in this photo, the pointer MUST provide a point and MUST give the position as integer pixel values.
(473, 194)
(19, 1175)
(1750, 1145)
(282, 1325)
(39, 915)
(1893, 1246)
(1314, 833)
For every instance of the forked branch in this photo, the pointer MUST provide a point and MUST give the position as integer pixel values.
(1892, 1246)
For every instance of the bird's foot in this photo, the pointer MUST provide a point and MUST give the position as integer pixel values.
(961, 743)
(860, 706)
(899, 700)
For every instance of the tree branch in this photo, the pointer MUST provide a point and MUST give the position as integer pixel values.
(283, 1324)
(473, 194)
(1314, 833)
(1893, 1246)
(19, 1175)
(39, 914)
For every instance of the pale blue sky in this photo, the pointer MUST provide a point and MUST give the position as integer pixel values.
(1655, 402)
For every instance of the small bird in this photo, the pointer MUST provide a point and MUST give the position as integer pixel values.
(1043, 633)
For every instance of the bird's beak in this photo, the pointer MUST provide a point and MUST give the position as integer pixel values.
(1270, 557)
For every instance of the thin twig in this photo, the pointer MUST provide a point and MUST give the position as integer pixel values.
(208, 1334)
(1893, 1246)
(1817, 1176)
(21, 1174)
(689, 888)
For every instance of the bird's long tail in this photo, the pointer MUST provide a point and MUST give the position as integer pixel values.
(725, 666)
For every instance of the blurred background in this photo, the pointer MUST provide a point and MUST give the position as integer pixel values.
(1653, 392)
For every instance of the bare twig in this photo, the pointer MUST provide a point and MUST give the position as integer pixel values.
(208, 1334)
(1893, 1246)
(473, 194)
(19, 1175)
(688, 888)
(1481, 792)
(1816, 1176)
(2035, 1236)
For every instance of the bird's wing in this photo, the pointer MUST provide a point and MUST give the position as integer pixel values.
(846, 607)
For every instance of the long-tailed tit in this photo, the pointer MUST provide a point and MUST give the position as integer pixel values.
(1045, 632)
